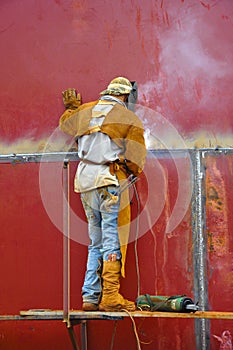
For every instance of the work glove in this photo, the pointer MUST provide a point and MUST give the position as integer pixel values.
(71, 99)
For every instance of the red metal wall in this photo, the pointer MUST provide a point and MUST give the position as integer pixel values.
(180, 53)
(220, 242)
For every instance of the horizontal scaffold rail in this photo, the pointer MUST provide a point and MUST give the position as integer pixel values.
(21, 158)
(99, 315)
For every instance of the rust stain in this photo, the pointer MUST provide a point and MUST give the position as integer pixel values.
(216, 210)
(35, 146)
(143, 45)
(138, 21)
(181, 83)
(154, 17)
(58, 144)
(228, 279)
(109, 35)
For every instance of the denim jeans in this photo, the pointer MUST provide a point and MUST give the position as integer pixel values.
(101, 207)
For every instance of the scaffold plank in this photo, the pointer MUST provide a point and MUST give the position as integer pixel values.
(98, 315)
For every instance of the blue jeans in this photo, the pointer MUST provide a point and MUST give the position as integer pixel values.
(101, 207)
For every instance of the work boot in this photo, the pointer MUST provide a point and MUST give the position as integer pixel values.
(112, 300)
(90, 307)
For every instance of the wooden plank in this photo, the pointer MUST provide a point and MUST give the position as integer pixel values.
(99, 315)
(197, 314)
(73, 315)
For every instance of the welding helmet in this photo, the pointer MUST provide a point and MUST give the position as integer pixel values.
(118, 86)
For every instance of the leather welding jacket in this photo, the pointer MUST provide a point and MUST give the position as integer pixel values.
(126, 130)
(120, 124)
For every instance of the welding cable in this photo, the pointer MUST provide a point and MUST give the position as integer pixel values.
(129, 182)
(134, 329)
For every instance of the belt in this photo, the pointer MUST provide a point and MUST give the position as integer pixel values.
(113, 166)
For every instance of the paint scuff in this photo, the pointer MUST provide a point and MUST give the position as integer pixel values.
(225, 340)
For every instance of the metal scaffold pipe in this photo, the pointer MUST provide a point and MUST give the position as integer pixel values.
(66, 243)
(199, 251)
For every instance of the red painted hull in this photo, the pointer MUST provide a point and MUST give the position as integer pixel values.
(180, 53)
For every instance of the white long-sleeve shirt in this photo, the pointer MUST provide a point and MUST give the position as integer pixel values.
(95, 150)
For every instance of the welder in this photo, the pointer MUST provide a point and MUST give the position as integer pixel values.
(111, 148)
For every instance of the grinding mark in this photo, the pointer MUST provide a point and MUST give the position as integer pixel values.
(8, 27)
(166, 18)
(198, 90)
(179, 24)
(172, 103)
(226, 18)
(207, 6)
(225, 340)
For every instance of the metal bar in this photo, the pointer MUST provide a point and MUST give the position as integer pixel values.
(22, 158)
(66, 243)
(73, 339)
(84, 335)
(18, 158)
(202, 326)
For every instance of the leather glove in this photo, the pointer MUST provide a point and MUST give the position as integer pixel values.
(71, 99)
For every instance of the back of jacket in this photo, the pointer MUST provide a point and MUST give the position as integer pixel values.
(122, 126)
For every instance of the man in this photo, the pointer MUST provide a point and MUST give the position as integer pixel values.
(111, 147)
